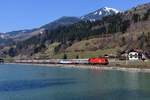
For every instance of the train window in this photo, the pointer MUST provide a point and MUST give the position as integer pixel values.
(136, 55)
(131, 55)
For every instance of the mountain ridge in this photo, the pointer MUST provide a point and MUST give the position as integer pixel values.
(114, 33)
(100, 13)
(62, 21)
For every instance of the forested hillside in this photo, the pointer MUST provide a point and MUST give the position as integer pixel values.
(114, 33)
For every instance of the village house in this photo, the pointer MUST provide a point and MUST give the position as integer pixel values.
(134, 54)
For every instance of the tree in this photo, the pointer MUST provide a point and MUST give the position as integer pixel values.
(65, 56)
(136, 18)
(146, 15)
(12, 52)
(56, 49)
(41, 47)
(77, 56)
(123, 41)
(125, 25)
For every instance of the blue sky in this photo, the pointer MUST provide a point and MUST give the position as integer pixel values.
(26, 14)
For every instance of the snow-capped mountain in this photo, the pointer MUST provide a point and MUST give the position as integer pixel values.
(63, 21)
(100, 13)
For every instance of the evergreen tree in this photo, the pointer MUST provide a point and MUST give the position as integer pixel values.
(12, 52)
(77, 56)
(136, 18)
(65, 56)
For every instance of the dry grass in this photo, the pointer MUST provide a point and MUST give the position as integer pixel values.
(131, 64)
(87, 54)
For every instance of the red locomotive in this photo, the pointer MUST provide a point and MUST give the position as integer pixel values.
(102, 61)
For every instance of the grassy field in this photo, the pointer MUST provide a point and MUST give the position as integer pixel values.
(91, 44)
(86, 54)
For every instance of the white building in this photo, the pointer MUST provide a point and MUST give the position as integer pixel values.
(133, 56)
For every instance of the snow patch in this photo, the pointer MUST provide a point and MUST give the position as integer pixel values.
(92, 20)
(100, 13)
(95, 13)
(107, 9)
(24, 31)
(82, 17)
(2, 36)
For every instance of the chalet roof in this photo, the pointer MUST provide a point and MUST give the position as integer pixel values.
(135, 50)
